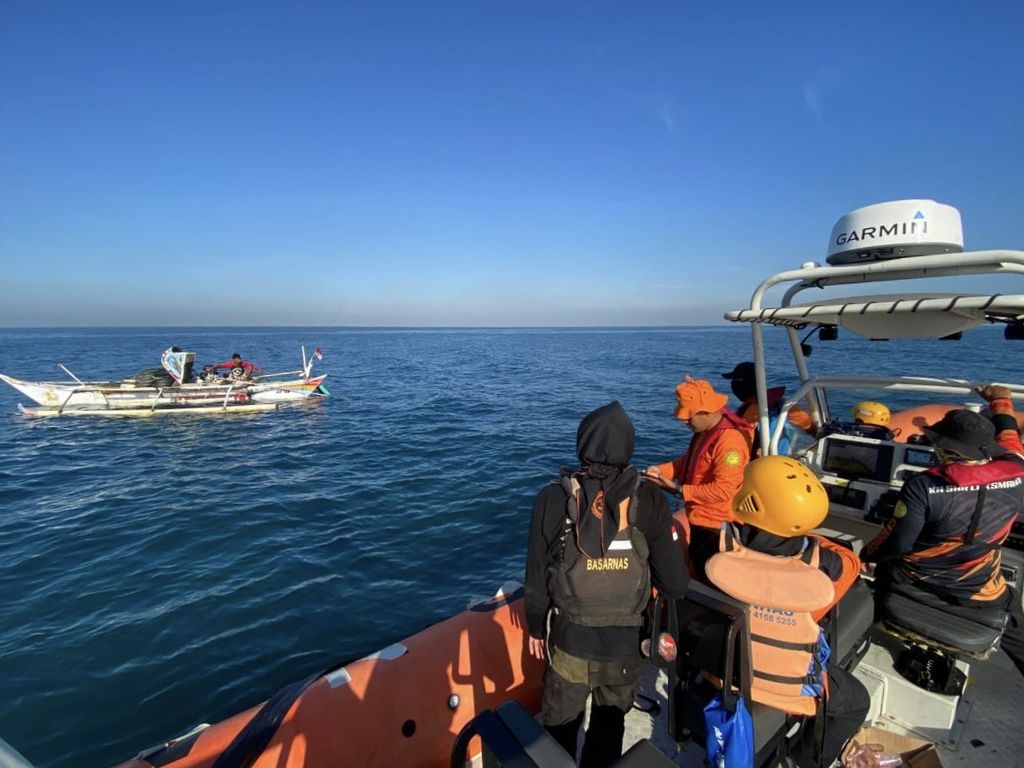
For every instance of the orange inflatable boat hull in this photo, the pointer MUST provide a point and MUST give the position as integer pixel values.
(908, 423)
(403, 706)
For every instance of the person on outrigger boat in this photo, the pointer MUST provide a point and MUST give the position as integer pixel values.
(708, 475)
(599, 538)
(744, 386)
(947, 529)
(769, 560)
(237, 367)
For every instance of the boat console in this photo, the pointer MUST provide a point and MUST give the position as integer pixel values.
(862, 477)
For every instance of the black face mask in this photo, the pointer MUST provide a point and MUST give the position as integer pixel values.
(744, 389)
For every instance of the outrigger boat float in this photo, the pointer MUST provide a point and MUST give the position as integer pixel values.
(173, 388)
(465, 691)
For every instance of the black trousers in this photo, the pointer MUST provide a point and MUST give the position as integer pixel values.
(845, 709)
(568, 682)
(703, 546)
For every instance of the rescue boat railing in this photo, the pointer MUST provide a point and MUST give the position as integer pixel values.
(817, 384)
(1004, 306)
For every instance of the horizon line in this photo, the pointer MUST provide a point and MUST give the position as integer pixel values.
(720, 324)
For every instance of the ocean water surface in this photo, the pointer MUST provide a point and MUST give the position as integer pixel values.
(157, 573)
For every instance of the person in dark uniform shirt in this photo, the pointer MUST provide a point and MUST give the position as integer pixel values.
(949, 524)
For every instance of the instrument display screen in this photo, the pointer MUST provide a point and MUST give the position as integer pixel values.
(856, 460)
(846, 496)
(919, 457)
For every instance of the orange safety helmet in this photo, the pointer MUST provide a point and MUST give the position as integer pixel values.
(780, 495)
(870, 412)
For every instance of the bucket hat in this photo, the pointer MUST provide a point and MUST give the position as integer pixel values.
(696, 395)
(967, 433)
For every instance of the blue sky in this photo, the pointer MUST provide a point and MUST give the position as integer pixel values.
(478, 163)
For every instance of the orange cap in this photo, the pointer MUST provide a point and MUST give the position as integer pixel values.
(695, 395)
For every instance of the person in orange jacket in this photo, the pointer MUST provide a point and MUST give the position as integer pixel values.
(708, 475)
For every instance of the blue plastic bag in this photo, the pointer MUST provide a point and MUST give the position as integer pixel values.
(730, 735)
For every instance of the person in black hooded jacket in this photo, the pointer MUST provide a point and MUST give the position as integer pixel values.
(591, 577)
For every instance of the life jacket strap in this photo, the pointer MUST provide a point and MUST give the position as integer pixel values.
(811, 554)
(634, 505)
(786, 679)
(976, 517)
(571, 486)
(784, 644)
(728, 537)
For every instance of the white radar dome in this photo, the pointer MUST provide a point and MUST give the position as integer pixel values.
(895, 230)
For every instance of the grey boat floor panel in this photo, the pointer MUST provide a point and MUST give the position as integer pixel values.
(992, 735)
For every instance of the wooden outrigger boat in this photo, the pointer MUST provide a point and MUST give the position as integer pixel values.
(177, 392)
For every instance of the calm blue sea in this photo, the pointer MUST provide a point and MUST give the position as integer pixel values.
(161, 572)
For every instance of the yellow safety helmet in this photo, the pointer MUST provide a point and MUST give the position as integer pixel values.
(780, 495)
(870, 412)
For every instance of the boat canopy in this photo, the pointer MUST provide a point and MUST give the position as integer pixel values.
(905, 316)
(894, 315)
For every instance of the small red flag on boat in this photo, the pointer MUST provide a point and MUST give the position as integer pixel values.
(318, 354)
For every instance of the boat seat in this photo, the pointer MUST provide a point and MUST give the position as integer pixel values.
(714, 641)
(512, 738)
(849, 623)
(973, 630)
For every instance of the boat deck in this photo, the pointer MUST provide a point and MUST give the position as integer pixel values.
(990, 712)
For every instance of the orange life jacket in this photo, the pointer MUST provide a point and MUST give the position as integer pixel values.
(786, 642)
